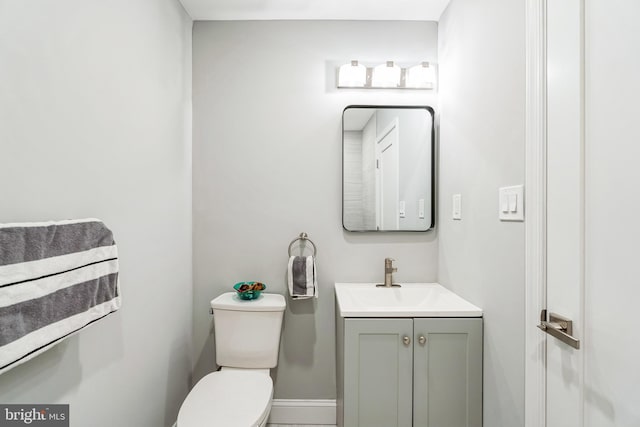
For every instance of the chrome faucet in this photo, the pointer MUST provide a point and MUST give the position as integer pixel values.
(389, 269)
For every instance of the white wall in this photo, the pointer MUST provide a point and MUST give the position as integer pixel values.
(353, 214)
(415, 162)
(369, 174)
(482, 83)
(95, 103)
(267, 166)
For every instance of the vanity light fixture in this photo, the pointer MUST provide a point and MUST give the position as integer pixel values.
(389, 75)
(352, 75)
(421, 76)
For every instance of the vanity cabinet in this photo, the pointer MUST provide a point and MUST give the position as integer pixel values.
(404, 372)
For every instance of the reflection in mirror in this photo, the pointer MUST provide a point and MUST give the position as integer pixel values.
(387, 176)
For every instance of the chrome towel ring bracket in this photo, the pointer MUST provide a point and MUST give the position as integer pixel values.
(303, 238)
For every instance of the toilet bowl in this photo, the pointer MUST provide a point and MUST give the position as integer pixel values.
(229, 398)
(247, 336)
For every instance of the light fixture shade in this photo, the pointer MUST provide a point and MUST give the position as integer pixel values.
(421, 76)
(352, 75)
(386, 75)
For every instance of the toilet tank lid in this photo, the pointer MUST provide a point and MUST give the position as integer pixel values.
(265, 302)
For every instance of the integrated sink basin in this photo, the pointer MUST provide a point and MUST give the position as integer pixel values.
(409, 300)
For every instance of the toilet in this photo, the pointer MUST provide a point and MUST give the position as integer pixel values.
(247, 335)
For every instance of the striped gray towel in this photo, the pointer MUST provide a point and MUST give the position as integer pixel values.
(301, 277)
(55, 279)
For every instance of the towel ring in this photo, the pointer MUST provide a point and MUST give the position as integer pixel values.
(303, 237)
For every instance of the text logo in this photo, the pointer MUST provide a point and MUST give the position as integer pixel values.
(34, 415)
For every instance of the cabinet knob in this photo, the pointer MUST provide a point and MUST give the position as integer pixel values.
(422, 340)
(406, 340)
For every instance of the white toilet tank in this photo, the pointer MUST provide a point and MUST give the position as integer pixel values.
(247, 332)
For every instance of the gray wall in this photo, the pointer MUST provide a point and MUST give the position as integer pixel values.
(267, 165)
(482, 99)
(95, 104)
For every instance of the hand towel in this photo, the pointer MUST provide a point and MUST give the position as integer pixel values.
(55, 279)
(301, 277)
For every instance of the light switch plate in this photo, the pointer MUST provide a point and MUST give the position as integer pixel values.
(511, 203)
(456, 211)
(421, 208)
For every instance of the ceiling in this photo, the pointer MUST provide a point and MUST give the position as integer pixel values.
(364, 10)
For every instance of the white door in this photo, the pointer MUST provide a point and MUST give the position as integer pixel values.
(593, 239)
(565, 208)
(387, 149)
(612, 203)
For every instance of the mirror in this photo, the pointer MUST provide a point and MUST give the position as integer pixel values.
(387, 168)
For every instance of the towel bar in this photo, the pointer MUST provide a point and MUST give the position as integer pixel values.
(303, 237)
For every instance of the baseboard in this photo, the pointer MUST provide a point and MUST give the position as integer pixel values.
(302, 411)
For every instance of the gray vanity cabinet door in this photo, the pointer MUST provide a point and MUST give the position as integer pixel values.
(447, 372)
(378, 367)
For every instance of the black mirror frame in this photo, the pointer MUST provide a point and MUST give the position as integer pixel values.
(433, 170)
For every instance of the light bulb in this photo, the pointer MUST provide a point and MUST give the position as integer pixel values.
(421, 76)
(386, 75)
(352, 75)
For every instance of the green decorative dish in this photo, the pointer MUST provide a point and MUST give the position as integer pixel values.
(249, 290)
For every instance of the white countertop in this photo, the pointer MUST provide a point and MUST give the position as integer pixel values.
(409, 300)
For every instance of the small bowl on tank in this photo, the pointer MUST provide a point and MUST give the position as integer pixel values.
(249, 290)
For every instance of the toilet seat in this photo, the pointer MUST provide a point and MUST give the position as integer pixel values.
(229, 398)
